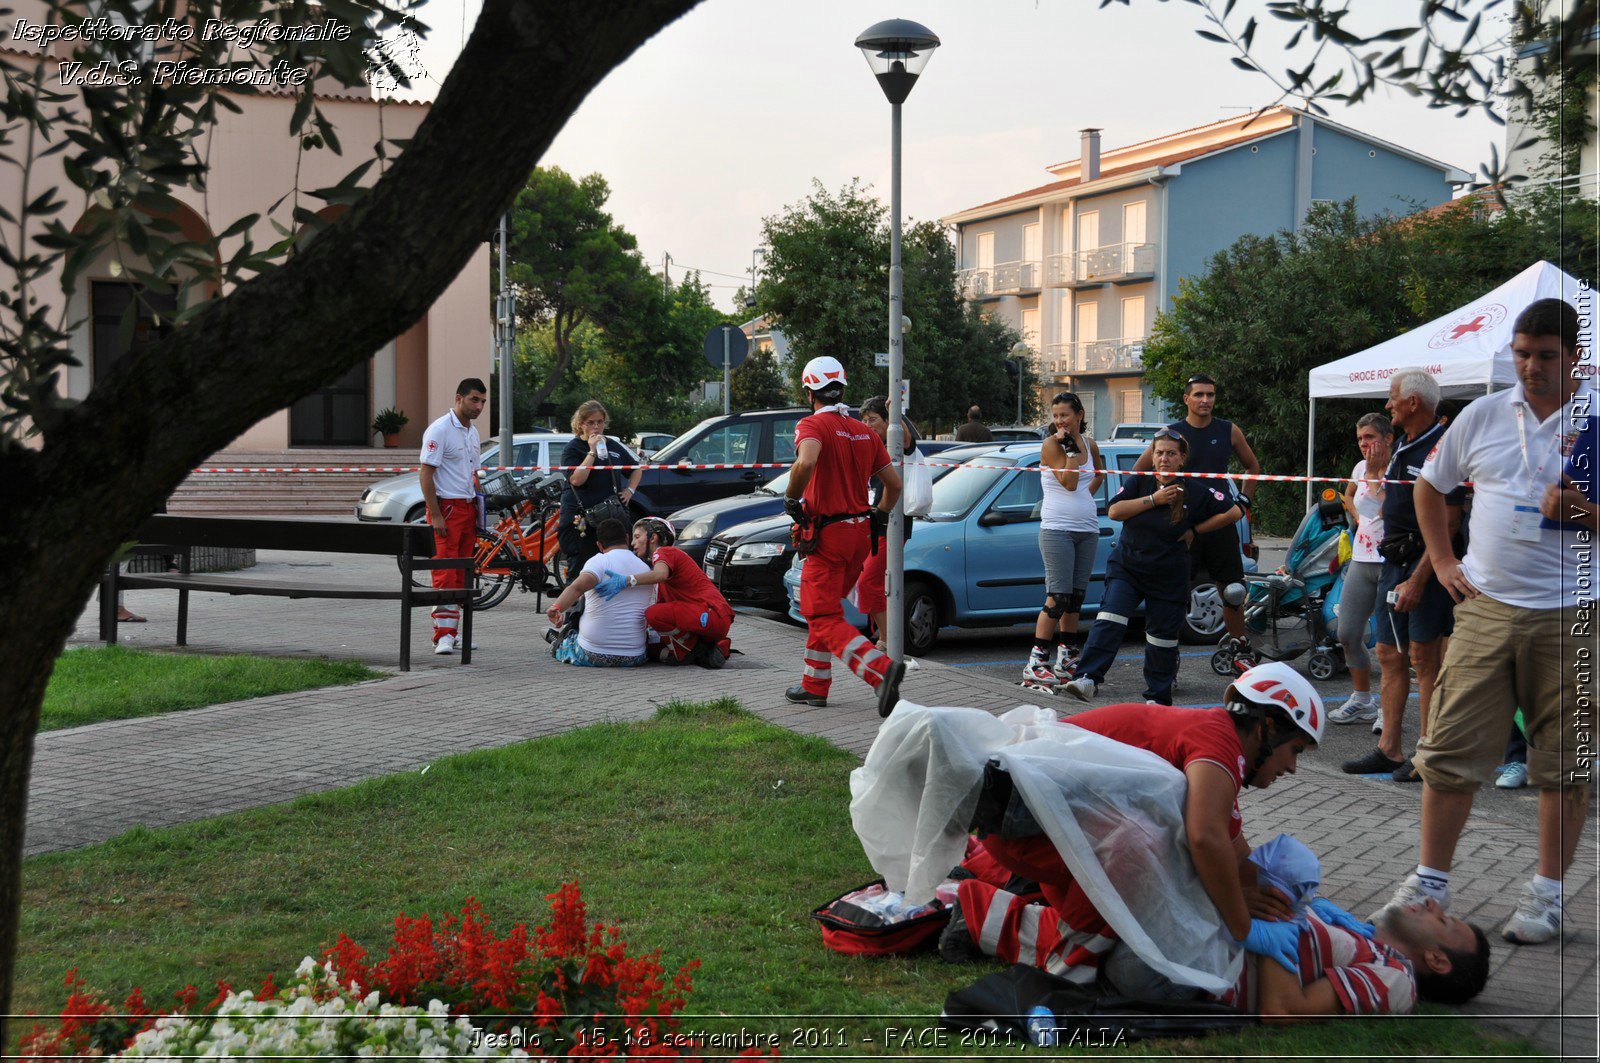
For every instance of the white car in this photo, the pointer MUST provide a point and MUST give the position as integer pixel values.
(399, 498)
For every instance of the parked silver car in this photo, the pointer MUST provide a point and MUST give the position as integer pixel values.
(399, 498)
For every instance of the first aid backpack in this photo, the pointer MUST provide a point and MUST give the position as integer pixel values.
(871, 920)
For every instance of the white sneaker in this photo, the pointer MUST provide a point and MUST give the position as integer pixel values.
(1082, 689)
(1412, 891)
(1514, 777)
(445, 645)
(1377, 725)
(1537, 918)
(1359, 707)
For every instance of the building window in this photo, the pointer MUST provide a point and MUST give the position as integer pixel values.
(110, 302)
(1133, 318)
(986, 251)
(1089, 231)
(1131, 403)
(1133, 223)
(1030, 243)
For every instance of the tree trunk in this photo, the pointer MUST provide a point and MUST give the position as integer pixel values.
(561, 335)
(114, 457)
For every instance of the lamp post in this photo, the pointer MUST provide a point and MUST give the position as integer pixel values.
(896, 50)
(1021, 352)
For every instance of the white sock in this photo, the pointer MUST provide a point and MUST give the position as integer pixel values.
(1549, 887)
(1432, 880)
(1367, 697)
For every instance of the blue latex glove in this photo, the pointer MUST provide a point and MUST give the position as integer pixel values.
(1278, 942)
(611, 586)
(1334, 915)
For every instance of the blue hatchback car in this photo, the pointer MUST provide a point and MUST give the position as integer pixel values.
(974, 560)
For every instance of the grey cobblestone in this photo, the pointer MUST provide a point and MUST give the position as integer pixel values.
(92, 783)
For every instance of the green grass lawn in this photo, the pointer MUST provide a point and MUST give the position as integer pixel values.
(114, 683)
(705, 833)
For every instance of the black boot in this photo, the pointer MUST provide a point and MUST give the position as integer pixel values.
(801, 696)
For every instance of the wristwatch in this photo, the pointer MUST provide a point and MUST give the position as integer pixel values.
(633, 581)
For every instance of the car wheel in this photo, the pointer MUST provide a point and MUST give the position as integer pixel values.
(922, 618)
(1203, 622)
(416, 513)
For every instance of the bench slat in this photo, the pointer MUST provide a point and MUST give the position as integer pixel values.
(281, 589)
(265, 533)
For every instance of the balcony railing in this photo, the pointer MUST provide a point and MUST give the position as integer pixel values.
(1013, 277)
(1100, 356)
(976, 283)
(1059, 269)
(1111, 264)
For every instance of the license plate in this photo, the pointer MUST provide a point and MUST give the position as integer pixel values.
(713, 571)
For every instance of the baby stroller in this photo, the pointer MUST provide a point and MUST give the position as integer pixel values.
(1293, 609)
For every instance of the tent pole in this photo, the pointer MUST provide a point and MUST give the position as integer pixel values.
(1311, 447)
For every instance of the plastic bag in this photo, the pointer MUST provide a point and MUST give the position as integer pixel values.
(1289, 865)
(916, 491)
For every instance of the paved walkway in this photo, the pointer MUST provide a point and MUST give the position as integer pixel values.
(91, 783)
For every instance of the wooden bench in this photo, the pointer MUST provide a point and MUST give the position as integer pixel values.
(410, 544)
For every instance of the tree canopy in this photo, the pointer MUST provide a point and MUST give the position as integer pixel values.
(1269, 309)
(827, 286)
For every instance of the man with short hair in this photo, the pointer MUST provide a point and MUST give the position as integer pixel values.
(1212, 441)
(1524, 619)
(1414, 612)
(449, 475)
(836, 455)
(610, 631)
(974, 430)
(690, 615)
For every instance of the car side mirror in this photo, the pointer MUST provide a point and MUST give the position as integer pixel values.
(995, 517)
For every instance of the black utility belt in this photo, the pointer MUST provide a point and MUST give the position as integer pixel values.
(839, 518)
(1402, 548)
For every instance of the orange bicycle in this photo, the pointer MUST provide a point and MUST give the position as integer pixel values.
(522, 548)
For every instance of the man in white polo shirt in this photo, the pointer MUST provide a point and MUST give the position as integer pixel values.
(449, 473)
(1523, 624)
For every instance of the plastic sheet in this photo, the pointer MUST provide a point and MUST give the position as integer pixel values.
(1115, 813)
(912, 799)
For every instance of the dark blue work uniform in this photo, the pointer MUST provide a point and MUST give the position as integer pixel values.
(1434, 616)
(1215, 553)
(1150, 565)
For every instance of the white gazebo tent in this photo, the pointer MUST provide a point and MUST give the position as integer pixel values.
(1467, 350)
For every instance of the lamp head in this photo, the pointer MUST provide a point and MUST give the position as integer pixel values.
(897, 49)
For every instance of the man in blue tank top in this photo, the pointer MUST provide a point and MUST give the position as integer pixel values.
(1212, 441)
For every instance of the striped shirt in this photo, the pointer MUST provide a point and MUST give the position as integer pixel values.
(1368, 977)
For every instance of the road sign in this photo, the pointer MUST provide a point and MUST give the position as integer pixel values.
(881, 359)
(730, 339)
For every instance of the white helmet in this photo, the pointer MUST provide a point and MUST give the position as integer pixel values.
(822, 372)
(1275, 685)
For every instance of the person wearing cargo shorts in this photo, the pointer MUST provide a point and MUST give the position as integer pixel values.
(1524, 622)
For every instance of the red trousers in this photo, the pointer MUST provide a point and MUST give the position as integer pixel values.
(826, 578)
(685, 624)
(1067, 935)
(458, 538)
(870, 593)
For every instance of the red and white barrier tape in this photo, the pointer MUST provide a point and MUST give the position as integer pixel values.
(397, 469)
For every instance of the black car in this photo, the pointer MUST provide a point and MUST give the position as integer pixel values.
(696, 525)
(760, 436)
(747, 560)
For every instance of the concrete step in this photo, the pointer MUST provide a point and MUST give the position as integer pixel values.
(300, 494)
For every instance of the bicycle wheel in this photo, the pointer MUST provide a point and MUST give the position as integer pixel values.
(494, 579)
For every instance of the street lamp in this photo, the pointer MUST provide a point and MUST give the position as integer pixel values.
(896, 50)
(1021, 352)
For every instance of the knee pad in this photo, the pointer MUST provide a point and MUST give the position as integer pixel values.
(1058, 606)
(1075, 602)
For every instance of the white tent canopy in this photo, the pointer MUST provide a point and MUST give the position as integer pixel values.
(1467, 350)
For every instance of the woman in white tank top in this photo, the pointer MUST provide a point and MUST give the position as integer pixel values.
(1069, 535)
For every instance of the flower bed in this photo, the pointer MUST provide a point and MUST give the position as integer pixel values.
(451, 989)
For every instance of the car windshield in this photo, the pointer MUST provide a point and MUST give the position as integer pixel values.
(775, 486)
(677, 450)
(958, 492)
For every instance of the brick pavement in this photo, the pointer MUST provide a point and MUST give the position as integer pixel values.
(92, 783)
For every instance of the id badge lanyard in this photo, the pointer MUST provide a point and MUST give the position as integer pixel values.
(1525, 517)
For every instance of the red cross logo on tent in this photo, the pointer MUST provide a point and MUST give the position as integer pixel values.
(1471, 326)
(1482, 319)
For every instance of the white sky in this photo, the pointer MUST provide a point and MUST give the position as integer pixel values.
(717, 122)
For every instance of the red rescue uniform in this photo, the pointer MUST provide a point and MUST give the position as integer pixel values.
(837, 493)
(1069, 937)
(689, 609)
